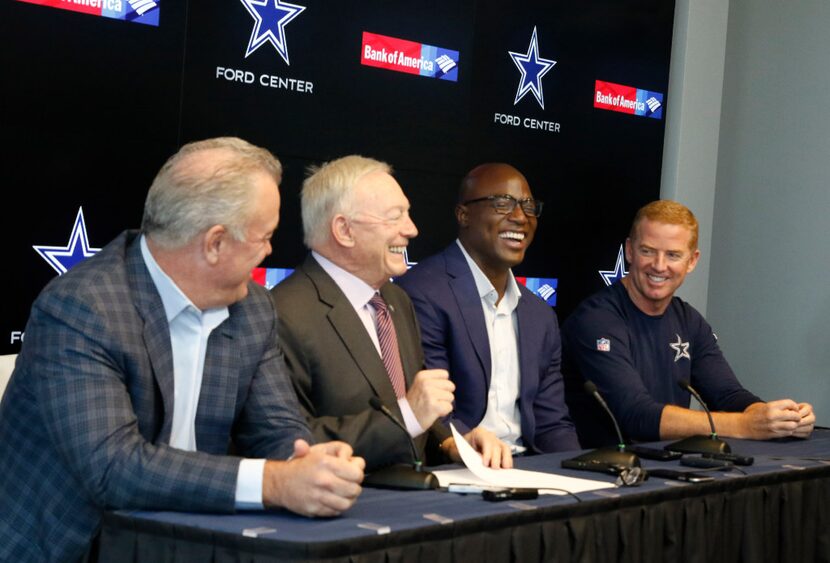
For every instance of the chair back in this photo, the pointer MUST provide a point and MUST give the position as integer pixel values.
(6, 369)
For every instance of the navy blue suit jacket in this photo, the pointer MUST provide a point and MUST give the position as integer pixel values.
(86, 417)
(454, 337)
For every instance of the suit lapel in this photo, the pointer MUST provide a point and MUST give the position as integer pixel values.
(527, 344)
(218, 391)
(464, 290)
(350, 329)
(156, 334)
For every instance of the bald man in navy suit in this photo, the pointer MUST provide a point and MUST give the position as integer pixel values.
(499, 341)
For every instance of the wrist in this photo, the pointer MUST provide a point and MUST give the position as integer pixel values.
(272, 483)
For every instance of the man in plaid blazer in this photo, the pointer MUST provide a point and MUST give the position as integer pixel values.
(147, 364)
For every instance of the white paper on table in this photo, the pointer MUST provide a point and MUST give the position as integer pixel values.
(477, 474)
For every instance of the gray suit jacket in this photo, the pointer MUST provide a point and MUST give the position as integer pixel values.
(88, 411)
(336, 368)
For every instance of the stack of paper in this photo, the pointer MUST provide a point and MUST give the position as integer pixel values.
(475, 473)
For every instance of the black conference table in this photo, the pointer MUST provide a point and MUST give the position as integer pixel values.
(777, 509)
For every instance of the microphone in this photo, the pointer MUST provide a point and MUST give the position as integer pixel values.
(591, 389)
(400, 476)
(608, 459)
(700, 444)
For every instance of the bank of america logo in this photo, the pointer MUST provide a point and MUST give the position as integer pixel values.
(142, 6)
(270, 277)
(408, 57)
(628, 99)
(653, 104)
(445, 63)
(546, 291)
(135, 11)
(543, 287)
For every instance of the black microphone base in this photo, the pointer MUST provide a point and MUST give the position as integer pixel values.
(700, 445)
(401, 477)
(611, 456)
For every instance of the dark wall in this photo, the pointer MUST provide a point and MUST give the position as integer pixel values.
(92, 106)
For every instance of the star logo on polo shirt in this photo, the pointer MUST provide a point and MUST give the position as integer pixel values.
(533, 68)
(681, 349)
(62, 258)
(270, 19)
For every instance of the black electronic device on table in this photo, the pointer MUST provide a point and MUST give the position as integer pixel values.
(497, 495)
(700, 444)
(676, 475)
(400, 476)
(705, 462)
(737, 459)
(658, 454)
(604, 460)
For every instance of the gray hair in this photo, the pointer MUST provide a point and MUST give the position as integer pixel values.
(327, 191)
(188, 196)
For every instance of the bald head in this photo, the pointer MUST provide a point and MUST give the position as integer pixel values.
(486, 175)
(495, 236)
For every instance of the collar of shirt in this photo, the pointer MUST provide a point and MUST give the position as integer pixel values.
(485, 288)
(357, 291)
(173, 299)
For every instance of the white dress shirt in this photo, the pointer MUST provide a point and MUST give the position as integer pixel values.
(502, 416)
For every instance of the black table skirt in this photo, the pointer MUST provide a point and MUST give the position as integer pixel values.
(783, 516)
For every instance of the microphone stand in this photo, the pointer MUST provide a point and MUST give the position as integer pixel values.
(400, 476)
(611, 459)
(700, 444)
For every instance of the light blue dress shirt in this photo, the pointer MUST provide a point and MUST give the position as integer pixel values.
(190, 329)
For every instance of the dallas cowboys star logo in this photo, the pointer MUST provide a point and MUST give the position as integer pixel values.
(406, 259)
(533, 68)
(681, 349)
(618, 273)
(270, 17)
(61, 258)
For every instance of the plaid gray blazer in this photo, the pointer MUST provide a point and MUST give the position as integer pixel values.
(88, 410)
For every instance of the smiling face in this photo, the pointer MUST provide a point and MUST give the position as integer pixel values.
(659, 257)
(381, 227)
(496, 242)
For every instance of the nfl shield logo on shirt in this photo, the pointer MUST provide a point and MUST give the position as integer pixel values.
(604, 345)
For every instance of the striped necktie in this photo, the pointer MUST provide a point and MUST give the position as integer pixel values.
(388, 339)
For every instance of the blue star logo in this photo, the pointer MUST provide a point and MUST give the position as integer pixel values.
(618, 273)
(533, 68)
(62, 258)
(406, 259)
(270, 19)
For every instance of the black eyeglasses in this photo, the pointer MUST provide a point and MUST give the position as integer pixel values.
(505, 204)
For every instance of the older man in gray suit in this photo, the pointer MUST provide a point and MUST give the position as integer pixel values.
(144, 363)
(357, 225)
